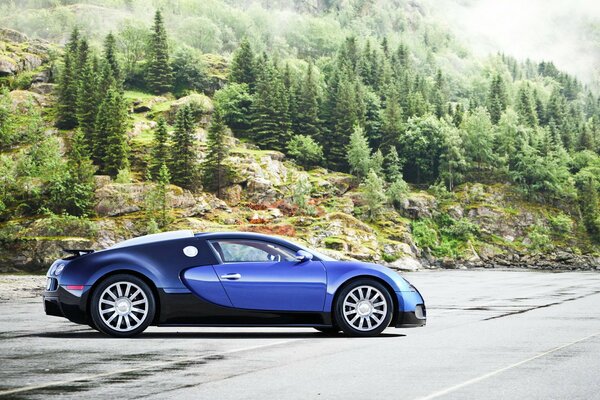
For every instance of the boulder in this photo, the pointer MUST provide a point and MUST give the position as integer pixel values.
(42, 88)
(406, 263)
(418, 205)
(8, 66)
(202, 107)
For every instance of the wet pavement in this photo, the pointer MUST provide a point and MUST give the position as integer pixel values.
(490, 334)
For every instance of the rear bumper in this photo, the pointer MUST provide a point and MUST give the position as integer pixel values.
(62, 303)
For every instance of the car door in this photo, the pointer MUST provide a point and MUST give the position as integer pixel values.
(261, 275)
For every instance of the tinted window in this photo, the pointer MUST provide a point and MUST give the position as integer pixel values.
(241, 250)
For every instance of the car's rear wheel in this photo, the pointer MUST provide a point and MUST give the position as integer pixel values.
(364, 307)
(122, 306)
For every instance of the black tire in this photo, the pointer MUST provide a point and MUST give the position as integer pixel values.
(365, 311)
(329, 330)
(129, 294)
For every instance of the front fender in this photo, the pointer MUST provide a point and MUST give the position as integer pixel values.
(338, 273)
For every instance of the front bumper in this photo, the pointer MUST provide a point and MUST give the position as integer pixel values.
(412, 319)
(63, 303)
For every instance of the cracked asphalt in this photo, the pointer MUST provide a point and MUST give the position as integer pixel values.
(490, 334)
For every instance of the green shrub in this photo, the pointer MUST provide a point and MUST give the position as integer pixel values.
(540, 239)
(425, 236)
(562, 224)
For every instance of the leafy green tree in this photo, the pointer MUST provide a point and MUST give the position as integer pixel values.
(374, 195)
(421, 147)
(7, 120)
(189, 71)
(110, 142)
(159, 154)
(478, 138)
(376, 163)
(497, 98)
(301, 195)
(243, 66)
(305, 150)
(216, 171)
(397, 191)
(587, 192)
(359, 153)
(306, 118)
(235, 102)
(159, 74)
(452, 160)
(183, 157)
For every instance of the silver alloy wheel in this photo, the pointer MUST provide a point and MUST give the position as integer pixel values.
(365, 308)
(123, 306)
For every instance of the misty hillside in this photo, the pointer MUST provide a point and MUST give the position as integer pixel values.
(370, 130)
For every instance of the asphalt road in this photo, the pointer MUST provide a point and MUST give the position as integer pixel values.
(490, 334)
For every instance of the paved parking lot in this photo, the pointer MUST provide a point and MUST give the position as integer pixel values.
(490, 334)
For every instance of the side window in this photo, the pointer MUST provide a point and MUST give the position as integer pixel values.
(241, 250)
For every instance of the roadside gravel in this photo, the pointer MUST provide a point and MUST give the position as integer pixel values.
(13, 287)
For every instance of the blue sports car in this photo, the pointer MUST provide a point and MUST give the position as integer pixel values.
(226, 279)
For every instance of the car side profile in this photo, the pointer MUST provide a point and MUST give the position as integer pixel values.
(226, 279)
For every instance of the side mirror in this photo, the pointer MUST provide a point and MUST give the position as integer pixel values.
(302, 256)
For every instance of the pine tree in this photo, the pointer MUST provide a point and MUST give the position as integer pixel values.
(110, 142)
(526, 107)
(243, 66)
(183, 165)
(344, 115)
(66, 113)
(306, 118)
(374, 195)
(270, 113)
(392, 125)
(159, 74)
(215, 170)
(157, 202)
(160, 150)
(392, 165)
(478, 138)
(588, 203)
(359, 153)
(110, 56)
(79, 199)
(439, 97)
(497, 98)
(87, 100)
(452, 160)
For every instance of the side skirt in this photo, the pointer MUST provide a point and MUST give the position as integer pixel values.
(186, 309)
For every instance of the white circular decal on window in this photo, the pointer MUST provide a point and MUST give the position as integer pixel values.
(190, 251)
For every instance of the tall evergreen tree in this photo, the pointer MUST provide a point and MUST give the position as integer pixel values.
(270, 113)
(359, 153)
(79, 199)
(392, 125)
(452, 160)
(157, 202)
(216, 172)
(392, 165)
(66, 113)
(526, 107)
(183, 157)
(160, 150)
(110, 56)
(497, 98)
(110, 144)
(243, 66)
(87, 100)
(159, 74)
(306, 117)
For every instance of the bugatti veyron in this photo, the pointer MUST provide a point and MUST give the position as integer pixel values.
(226, 279)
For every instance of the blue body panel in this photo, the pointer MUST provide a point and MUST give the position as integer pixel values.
(301, 287)
(277, 286)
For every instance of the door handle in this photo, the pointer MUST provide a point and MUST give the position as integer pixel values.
(233, 277)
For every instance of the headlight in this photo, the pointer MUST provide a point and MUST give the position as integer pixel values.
(59, 269)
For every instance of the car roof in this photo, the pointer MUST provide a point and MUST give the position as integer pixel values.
(240, 235)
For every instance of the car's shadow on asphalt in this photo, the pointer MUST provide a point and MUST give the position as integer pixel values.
(208, 335)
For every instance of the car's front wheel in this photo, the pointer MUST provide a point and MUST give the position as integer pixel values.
(363, 308)
(122, 306)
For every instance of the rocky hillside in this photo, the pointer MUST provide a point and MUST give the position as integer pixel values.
(475, 225)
